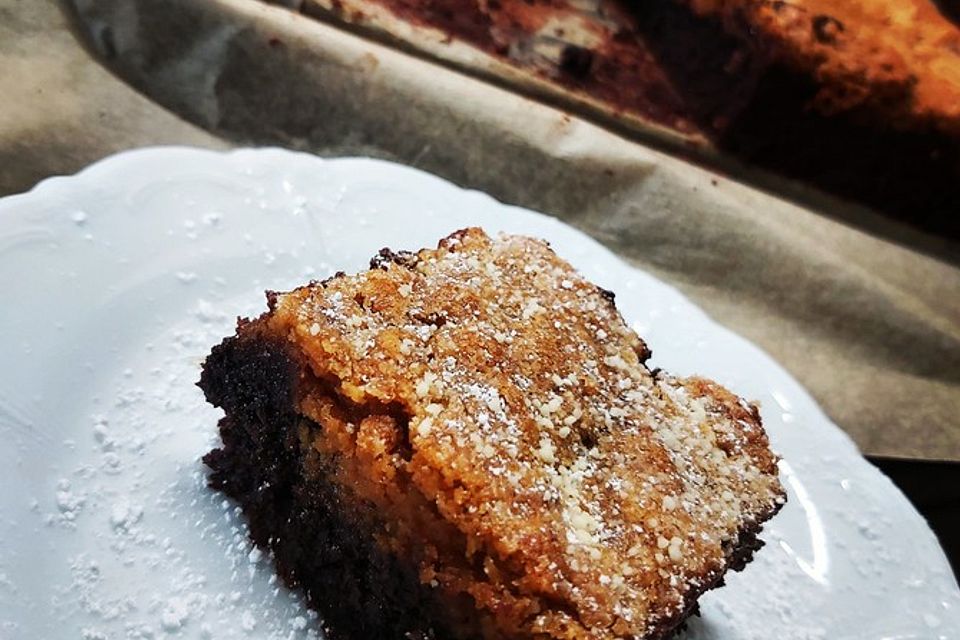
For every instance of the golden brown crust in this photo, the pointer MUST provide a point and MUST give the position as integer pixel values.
(900, 60)
(496, 408)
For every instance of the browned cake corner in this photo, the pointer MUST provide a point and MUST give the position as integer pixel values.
(466, 443)
(900, 61)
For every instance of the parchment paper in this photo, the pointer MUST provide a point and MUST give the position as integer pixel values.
(60, 110)
(867, 322)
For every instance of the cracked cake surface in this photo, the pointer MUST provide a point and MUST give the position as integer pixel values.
(466, 442)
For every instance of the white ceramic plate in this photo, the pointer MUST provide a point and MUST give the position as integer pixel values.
(117, 281)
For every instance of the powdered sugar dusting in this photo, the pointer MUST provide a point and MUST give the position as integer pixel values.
(159, 555)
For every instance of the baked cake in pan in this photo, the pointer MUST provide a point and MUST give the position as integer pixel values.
(858, 98)
(466, 442)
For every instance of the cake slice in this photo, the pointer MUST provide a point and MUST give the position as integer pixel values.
(466, 443)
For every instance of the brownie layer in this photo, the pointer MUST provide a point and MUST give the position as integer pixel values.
(321, 537)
